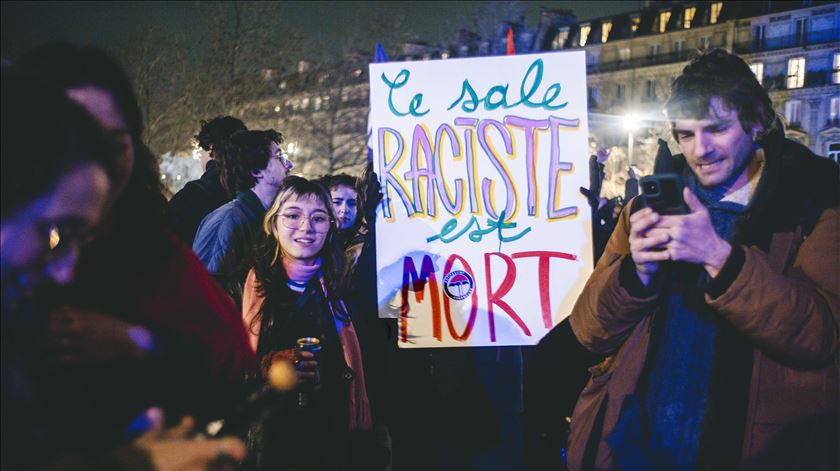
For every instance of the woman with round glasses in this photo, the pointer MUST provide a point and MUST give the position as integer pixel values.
(296, 290)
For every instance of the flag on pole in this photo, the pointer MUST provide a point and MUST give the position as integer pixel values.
(511, 50)
(378, 56)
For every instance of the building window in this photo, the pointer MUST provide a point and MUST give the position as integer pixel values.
(560, 39)
(679, 45)
(650, 92)
(758, 70)
(705, 42)
(834, 109)
(796, 72)
(606, 27)
(635, 20)
(835, 72)
(620, 91)
(584, 34)
(624, 54)
(801, 26)
(664, 16)
(654, 50)
(714, 13)
(758, 36)
(688, 15)
(793, 112)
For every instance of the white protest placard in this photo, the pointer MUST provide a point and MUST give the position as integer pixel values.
(482, 237)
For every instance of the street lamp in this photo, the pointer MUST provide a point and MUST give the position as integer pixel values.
(631, 123)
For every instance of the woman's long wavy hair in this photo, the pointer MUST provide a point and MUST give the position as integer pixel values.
(268, 266)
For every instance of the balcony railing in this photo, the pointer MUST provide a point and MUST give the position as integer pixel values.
(784, 42)
(658, 59)
(754, 45)
(813, 78)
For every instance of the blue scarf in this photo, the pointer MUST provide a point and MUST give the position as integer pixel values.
(664, 425)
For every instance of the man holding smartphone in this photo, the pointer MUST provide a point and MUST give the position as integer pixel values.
(721, 325)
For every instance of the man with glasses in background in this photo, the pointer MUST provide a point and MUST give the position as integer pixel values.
(255, 168)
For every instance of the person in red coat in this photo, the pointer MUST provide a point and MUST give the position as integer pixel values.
(143, 324)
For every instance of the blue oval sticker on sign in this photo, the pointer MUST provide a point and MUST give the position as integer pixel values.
(458, 284)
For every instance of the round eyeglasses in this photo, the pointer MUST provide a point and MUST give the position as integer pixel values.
(318, 222)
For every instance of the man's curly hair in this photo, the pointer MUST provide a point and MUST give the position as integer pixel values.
(217, 131)
(246, 153)
(720, 74)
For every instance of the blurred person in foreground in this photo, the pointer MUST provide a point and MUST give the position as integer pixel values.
(721, 325)
(143, 324)
(255, 166)
(199, 197)
(53, 194)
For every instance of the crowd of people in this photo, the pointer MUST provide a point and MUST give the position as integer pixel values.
(235, 326)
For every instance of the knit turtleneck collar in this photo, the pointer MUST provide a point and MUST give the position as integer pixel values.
(299, 273)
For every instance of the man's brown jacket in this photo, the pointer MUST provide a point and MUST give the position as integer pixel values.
(784, 295)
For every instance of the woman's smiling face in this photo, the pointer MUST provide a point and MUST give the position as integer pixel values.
(302, 227)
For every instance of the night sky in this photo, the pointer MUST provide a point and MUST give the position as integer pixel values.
(323, 24)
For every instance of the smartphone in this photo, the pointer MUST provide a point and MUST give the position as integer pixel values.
(664, 194)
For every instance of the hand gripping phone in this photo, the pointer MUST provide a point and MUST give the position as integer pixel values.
(664, 194)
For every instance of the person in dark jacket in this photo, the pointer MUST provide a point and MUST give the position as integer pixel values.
(721, 324)
(297, 289)
(255, 166)
(199, 197)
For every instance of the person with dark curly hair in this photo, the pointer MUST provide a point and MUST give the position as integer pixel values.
(347, 202)
(199, 197)
(298, 288)
(721, 325)
(143, 323)
(255, 166)
(345, 197)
